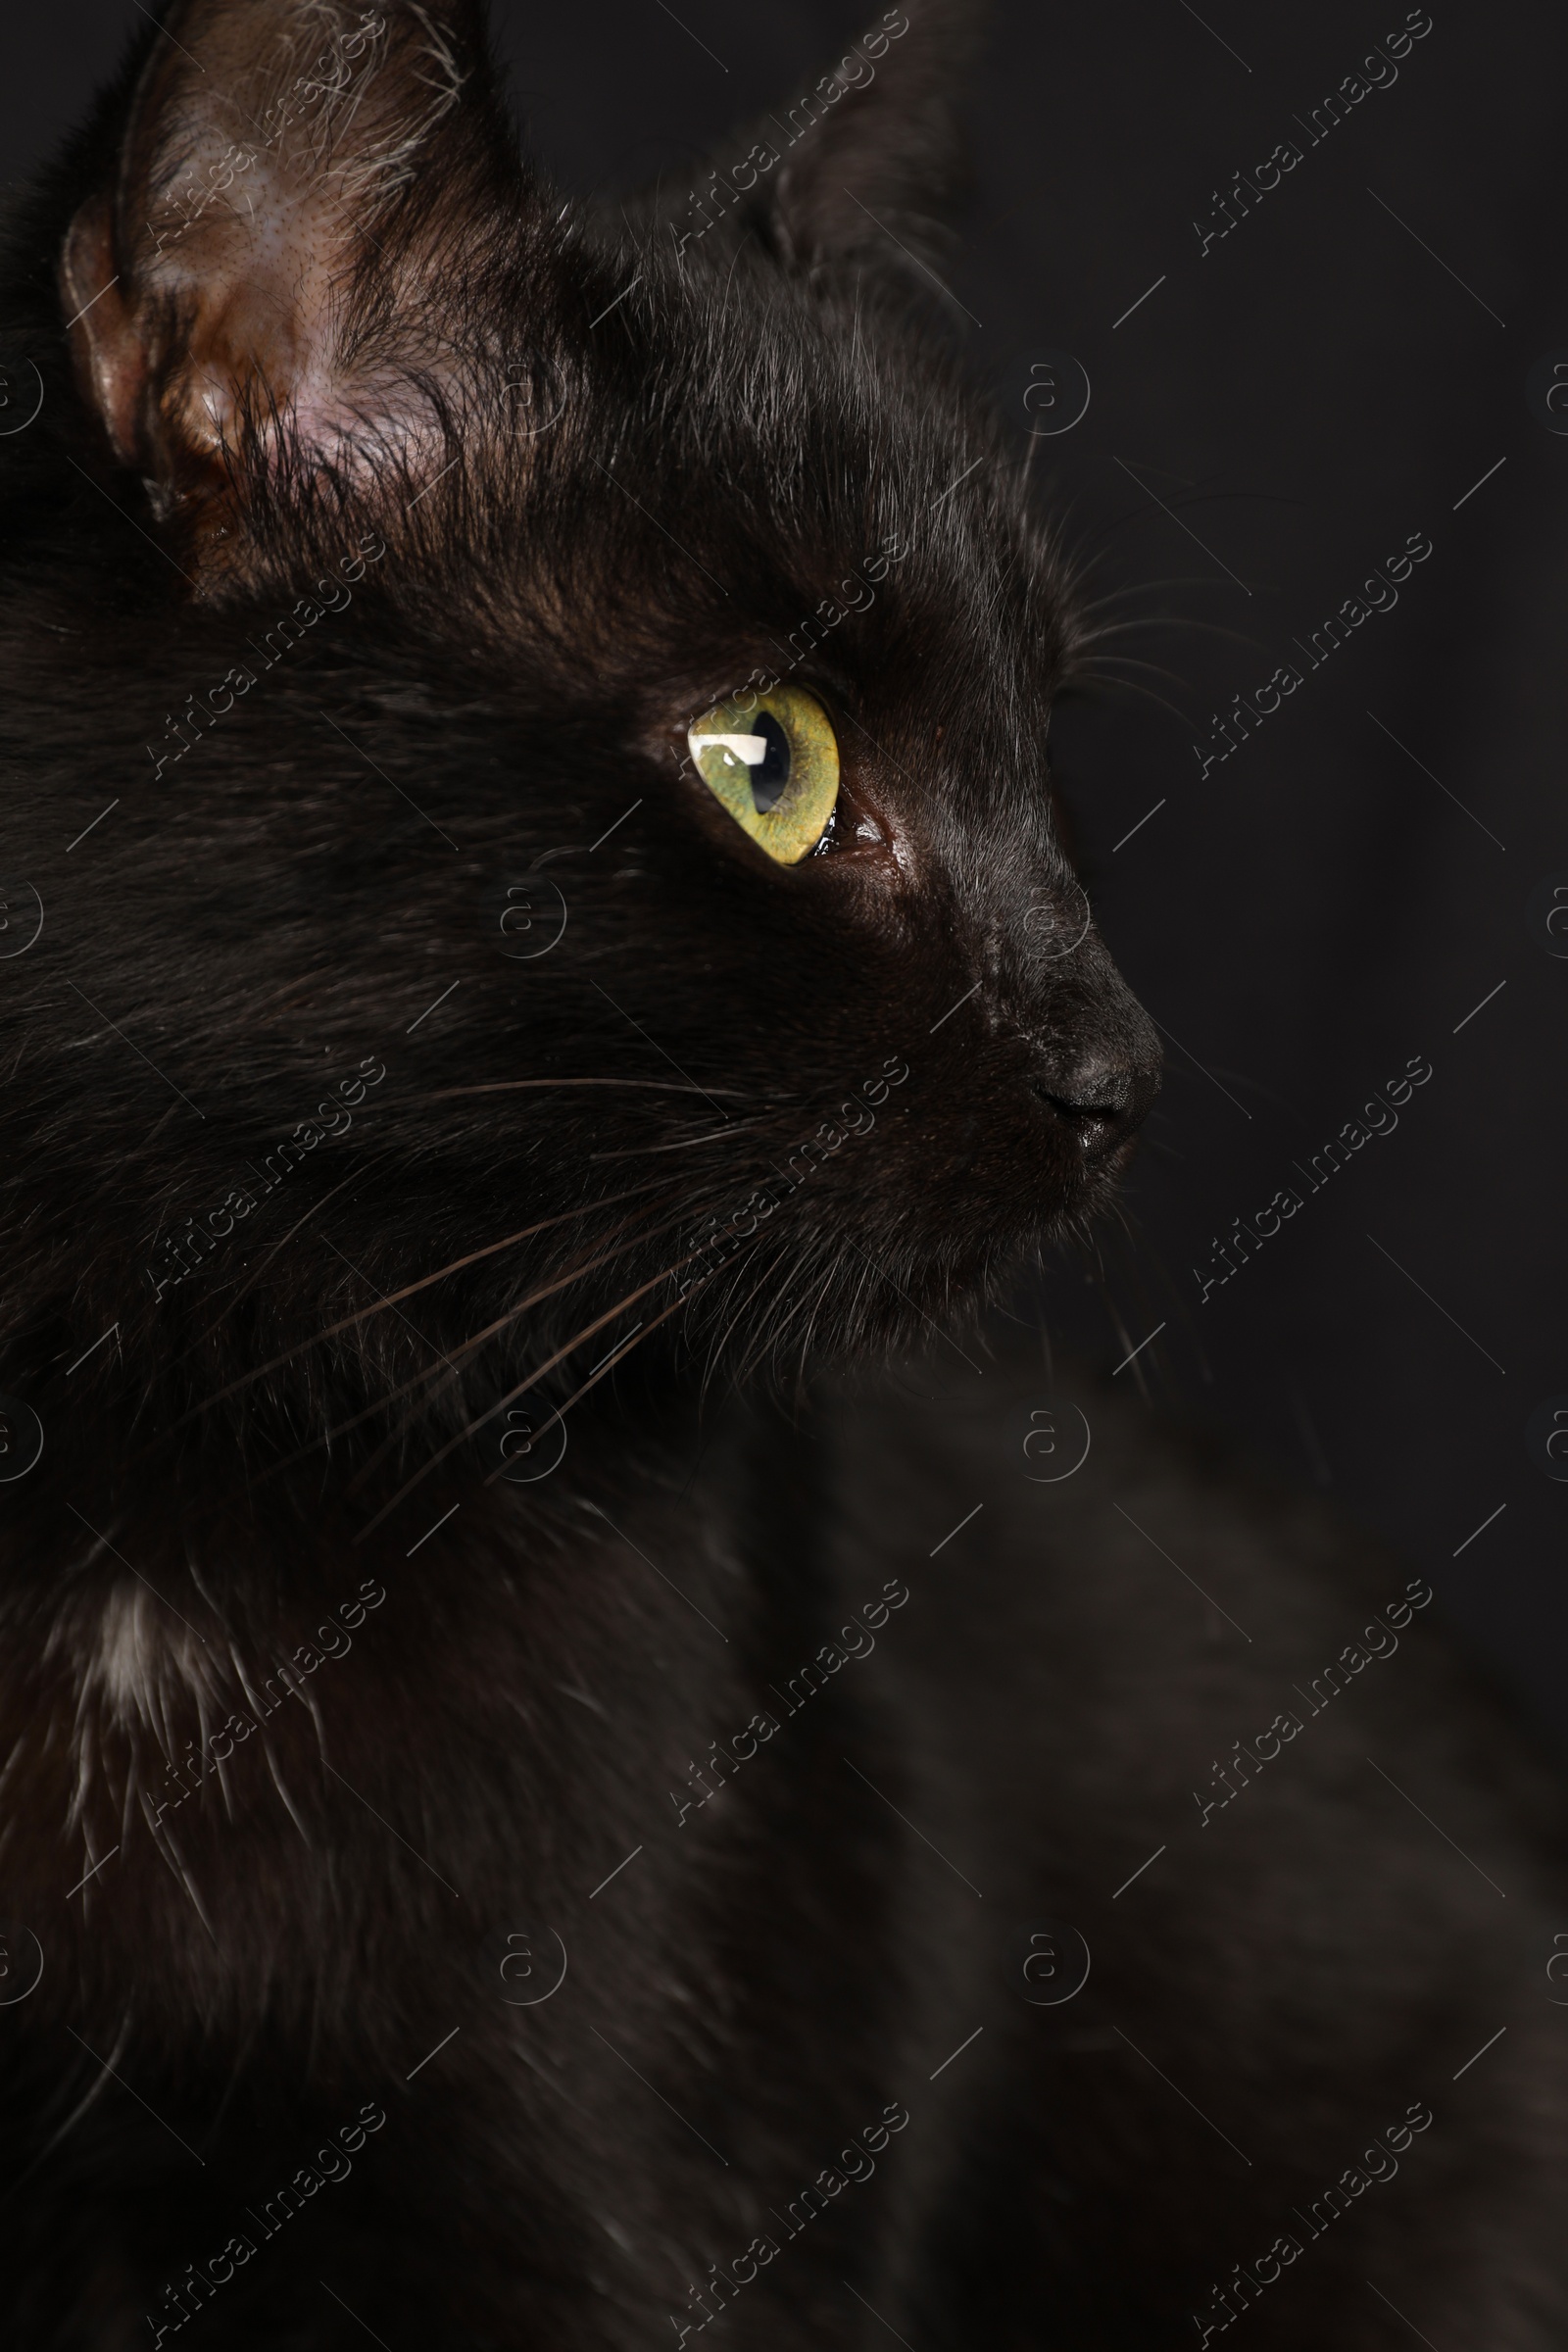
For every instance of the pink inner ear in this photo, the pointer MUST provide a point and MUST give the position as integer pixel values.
(251, 326)
(264, 331)
(256, 175)
(266, 282)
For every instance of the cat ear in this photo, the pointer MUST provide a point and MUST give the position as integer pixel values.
(273, 280)
(868, 167)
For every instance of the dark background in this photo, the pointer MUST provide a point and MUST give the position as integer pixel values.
(1323, 382)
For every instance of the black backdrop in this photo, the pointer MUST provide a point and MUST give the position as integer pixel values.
(1274, 413)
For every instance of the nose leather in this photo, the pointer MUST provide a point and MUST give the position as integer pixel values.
(1101, 1104)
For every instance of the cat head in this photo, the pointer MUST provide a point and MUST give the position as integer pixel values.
(573, 683)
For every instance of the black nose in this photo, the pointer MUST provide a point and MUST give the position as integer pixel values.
(1101, 1104)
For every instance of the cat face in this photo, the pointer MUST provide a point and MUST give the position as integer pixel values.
(596, 670)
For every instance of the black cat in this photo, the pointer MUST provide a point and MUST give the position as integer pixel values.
(537, 944)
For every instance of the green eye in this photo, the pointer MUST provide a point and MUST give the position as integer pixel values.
(773, 760)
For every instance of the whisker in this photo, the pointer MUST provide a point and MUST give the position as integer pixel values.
(1167, 620)
(452, 1365)
(524, 1386)
(816, 1299)
(867, 1273)
(267, 1261)
(615, 1360)
(717, 1346)
(772, 1342)
(1132, 686)
(453, 1266)
(711, 1135)
(1155, 669)
(690, 1208)
(1116, 596)
(510, 1085)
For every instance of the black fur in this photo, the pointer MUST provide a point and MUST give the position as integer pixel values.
(328, 1702)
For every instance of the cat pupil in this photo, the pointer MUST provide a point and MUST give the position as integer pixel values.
(768, 779)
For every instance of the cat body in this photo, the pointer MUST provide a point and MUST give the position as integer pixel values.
(730, 1904)
(526, 1823)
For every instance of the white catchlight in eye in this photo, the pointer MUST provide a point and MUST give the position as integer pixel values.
(752, 749)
